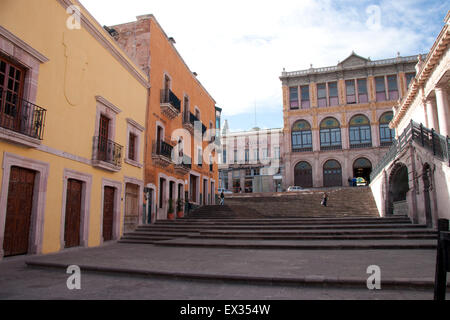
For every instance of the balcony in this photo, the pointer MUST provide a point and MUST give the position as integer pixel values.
(21, 121)
(170, 104)
(189, 121)
(184, 166)
(107, 154)
(360, 145)
(386, 143)
(304, 149)
(330, 147)
(162, 153)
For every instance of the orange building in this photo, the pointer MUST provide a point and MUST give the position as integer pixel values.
(179, 156)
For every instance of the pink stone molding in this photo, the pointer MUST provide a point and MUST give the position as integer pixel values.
(85, 205)
(24, 54)
(39, 198)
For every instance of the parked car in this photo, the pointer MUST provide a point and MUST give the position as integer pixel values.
(361, 182)
(225, 191)
(294, 188)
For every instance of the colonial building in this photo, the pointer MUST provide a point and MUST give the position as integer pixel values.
(336, 119)
(249, 161)
(72, 106)
(180, 122)
(414, 175)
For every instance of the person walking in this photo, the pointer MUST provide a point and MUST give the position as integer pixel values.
(222, 198)
(324, 199)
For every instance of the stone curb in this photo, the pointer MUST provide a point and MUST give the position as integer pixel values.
(314, 280)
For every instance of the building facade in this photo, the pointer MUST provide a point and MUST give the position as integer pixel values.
(72, 106)
(249, 161)
(336, 119)
(414, 175)
(180, 156)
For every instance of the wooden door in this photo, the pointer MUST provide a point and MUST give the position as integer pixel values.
(18, 211)
(332, 174)
(108, 213)
(303, 175)
(131, 207)
(72, 227)
(11, 84)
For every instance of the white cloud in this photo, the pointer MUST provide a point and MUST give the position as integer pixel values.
(238, 48)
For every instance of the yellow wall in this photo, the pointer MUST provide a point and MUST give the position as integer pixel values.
(70, 128)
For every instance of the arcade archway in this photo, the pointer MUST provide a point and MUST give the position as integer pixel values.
(303, 175)
(362, 167)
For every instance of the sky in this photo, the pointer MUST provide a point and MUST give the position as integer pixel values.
(239, 48)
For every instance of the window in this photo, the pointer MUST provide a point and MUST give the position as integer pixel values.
(304, 90)
(350, 91)
(224, 160)
(256, 172)
(387, 134)
(359, 132)
(392, 87)
(301, 137)
(247, 155)
(235, 156)
(330, 134)
(264, 153)
(293, 97)
(333, 94)
(248, 172)
(362, 91)
(380, 89)
(322, 95)
(200, 156)
(132, 147)
(277, 152)
(409, 78)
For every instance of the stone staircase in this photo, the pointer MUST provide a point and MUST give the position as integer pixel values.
(343, 202)
(289, 221)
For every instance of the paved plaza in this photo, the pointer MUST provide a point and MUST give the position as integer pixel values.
(151, 272)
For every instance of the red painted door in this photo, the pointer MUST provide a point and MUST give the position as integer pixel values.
(73, 213)
(108, 213)
(18, 211)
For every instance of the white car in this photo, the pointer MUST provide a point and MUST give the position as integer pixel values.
(225, 191)
(294, 188)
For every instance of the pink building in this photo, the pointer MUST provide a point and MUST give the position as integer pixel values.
(414, 175)
(336, 119)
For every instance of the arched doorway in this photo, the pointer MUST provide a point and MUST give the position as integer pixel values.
(398, 188)
(303, 175)
(332, 174)
(362, 167)
(426, 176)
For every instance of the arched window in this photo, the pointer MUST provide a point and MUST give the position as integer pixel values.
(359, 132)
(301, 136)
(387, 135)
(330, 134)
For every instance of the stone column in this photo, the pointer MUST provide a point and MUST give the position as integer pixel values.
(432, 114)
(443, 113)
(316, 139)
(344, 137)
(375, 133)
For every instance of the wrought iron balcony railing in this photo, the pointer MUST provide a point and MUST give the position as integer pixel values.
(21, 116)
(302, 149)
(192, 119)
(107, 151)
(167, 96)
(428, 139)
(162, 148)
(335, 147)
(360, 145)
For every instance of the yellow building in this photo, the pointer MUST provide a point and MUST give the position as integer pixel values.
(71, 129)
